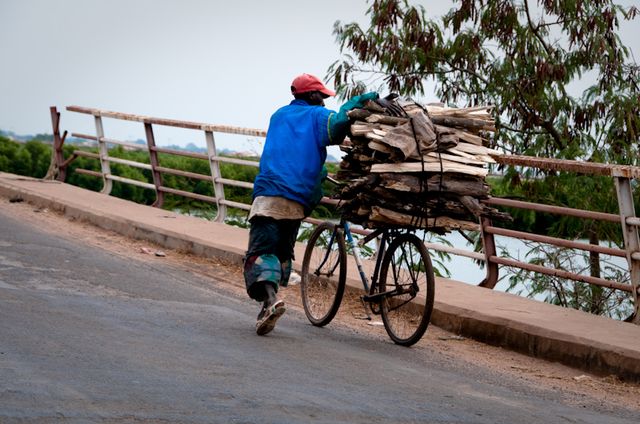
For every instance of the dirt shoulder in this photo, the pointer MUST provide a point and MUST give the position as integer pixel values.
(574, 386)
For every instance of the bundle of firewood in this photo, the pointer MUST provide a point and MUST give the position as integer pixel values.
(425, 169)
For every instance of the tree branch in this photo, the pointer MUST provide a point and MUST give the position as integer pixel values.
(468, 71)
(535, 29)
(520, 130)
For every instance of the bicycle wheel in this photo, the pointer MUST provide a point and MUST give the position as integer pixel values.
(324, 272)
(407, 276)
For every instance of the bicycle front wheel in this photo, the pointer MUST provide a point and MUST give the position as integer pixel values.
(324, 272)
(407, 277)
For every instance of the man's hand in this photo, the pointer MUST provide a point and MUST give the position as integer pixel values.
(389, 104)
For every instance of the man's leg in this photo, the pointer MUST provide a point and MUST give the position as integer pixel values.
(272, 310)
(285, 252)
(263, 271)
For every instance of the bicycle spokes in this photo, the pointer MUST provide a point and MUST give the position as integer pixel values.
(323, 274)
(406, 286)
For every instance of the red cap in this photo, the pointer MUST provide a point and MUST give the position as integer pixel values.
(306, 82)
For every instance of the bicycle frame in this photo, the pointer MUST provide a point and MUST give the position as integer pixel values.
(402, 270)
(371, 287)
(355, 249)
(372, 295)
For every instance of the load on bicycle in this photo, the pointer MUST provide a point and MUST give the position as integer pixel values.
(407, 167)
(422, 169)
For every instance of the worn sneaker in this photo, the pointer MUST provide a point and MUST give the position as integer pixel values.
(268, 317)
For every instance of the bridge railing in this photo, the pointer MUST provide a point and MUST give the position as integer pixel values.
(157, 171)
(623, 175)
(626, 218)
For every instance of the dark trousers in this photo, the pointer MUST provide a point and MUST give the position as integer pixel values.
(270, 254)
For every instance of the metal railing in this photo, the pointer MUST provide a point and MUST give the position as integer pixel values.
(157, 171)
(621, 174)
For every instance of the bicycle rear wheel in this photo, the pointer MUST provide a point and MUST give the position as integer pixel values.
(407, 276)
(324, 272)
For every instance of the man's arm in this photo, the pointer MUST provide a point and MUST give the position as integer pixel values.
(338, 124)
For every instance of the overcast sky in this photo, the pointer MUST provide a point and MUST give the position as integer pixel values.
(219, 62)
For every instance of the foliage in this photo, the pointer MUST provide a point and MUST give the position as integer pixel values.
(567, 190)
(523, 58)
(589, 298)
(31, 158)
(439, 259)
(562, 83)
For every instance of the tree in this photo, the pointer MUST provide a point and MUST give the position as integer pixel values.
(531, 60)
(523, 57)
(30, 158)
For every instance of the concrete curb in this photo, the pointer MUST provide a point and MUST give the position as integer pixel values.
(589, 355)
(466, 310)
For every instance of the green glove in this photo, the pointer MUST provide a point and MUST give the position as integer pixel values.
(339, 123)
(357, 101)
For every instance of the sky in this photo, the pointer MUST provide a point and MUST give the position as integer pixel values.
(218, 62)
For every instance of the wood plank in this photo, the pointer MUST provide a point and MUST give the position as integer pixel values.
(359, 129)
(471, 186)
(429, 167)
(468, 159)
(462, 135)
(467, 123)
(386, 119)
(380, 147)
(483, 158)
(388, 216)
(477, 150)
(373, 136)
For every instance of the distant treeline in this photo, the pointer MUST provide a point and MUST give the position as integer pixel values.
(32, 159)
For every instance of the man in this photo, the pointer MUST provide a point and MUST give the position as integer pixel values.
(287, 188)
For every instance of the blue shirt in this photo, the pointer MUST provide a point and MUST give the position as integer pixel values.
(295, 151)
(292, 161)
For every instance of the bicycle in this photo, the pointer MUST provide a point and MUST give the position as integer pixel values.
(401, 289)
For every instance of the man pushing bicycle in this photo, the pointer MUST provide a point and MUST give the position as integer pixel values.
(288, 187)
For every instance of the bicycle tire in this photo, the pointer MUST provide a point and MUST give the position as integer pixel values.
(323, 277)
(407, 316)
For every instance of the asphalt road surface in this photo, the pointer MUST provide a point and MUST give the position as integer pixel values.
(87, 336)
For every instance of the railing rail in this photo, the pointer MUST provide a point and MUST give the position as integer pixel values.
(620, 173)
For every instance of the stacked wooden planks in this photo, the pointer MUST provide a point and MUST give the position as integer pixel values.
(425, 169)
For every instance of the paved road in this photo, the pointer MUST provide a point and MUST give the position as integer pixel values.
(86, 336)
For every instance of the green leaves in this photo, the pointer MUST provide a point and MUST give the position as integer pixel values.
(562, 83)
(31, 158)
(530, 62)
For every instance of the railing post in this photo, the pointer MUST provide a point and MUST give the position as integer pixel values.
(56, 170)
(153, 160)
(107, 184)
(216, 175)
(631, 239)
(489, 249)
